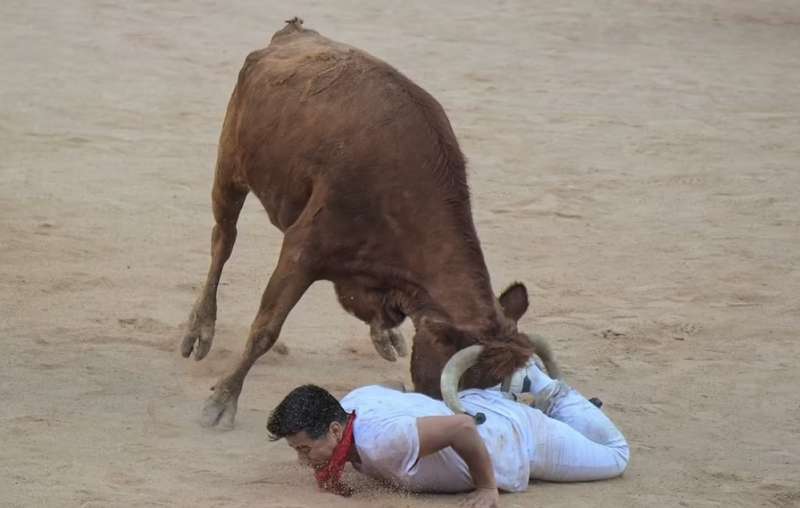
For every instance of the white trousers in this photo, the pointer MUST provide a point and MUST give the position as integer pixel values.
(576, 442)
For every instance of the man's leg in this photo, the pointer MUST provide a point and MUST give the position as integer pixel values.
(577, 441)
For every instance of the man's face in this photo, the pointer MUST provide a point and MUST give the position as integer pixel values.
(316, 452)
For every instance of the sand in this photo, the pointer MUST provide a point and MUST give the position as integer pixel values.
(634, 163)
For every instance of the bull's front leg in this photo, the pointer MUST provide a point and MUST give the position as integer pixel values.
(286, 286)
(369, 305)
(388, 342)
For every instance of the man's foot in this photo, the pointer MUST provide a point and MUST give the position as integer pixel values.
(530, 379)
(533, 387)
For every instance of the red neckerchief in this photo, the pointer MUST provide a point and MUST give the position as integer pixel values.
(329, 476)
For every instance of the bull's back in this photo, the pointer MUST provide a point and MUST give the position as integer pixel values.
(310, 112)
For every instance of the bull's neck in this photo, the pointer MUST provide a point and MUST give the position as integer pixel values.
(457, 281)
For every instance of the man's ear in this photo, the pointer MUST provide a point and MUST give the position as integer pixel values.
(514, 301)
(336, 429)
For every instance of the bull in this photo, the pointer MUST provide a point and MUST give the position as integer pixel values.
(361, 171)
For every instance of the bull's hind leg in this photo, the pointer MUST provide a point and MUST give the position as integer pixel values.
(227, 201)
(293, 275)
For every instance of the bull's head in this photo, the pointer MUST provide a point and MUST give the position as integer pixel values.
(482, 358)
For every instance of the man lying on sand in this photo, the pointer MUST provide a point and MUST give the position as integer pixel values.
(416, 443)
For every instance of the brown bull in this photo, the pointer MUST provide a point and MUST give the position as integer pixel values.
(360, 169)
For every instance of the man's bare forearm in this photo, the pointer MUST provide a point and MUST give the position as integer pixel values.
(459, 433)
(469, 445)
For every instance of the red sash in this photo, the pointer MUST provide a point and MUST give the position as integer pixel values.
(329, 476)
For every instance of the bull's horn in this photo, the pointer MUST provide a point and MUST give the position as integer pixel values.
(544, 352)
(451, 375)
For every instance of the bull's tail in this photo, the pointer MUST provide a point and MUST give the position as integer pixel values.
(295, 23)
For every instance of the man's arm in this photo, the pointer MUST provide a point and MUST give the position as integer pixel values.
(460, 433)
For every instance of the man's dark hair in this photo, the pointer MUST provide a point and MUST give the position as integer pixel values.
(307, 408)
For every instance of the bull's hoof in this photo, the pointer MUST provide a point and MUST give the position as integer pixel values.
(198, 338)
(388, 343)
(219, 410)
(399, 343)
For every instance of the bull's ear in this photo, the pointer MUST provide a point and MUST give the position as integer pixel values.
(449, 334)
(514, 301)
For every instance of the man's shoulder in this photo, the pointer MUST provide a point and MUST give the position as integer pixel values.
(371, 394)
(380, 401)
(385, 429)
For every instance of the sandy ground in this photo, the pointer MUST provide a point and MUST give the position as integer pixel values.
(635, 163)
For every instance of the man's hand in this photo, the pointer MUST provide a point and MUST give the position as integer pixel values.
(482, 498)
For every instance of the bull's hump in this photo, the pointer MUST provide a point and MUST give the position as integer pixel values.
(295, 40)
(302, 52)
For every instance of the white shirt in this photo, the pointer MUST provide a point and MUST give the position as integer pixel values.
(387, 439)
